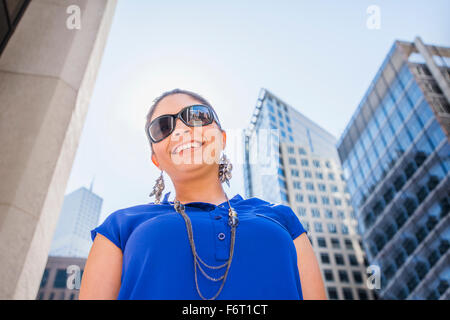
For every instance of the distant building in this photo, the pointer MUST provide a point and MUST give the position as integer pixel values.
(396, 157)
(79, 214)
(61, 279)
(289, 159)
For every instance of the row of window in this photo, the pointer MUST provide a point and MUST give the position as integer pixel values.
(335, 243)
(347, 293)
(310, 186)
(59, 296)
(338, 259)
(331, 227)
(343, 276)
(318, 174)
(60, 281)
(315, 213)
(325, 199)
(411, 196)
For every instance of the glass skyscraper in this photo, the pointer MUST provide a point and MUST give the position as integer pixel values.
(396, 156)
(79, 214)
(289, 159)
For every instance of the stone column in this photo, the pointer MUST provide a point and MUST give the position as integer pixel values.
(47, 75)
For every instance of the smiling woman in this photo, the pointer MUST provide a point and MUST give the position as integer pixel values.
(178, 249)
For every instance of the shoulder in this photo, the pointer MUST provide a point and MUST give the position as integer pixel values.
(147, 210)
(281, 213)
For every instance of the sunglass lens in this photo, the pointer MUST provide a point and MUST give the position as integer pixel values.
(161, 128)
(197, 116)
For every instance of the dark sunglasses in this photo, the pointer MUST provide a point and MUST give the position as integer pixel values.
(197, 115)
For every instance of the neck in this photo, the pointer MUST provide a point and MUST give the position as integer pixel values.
(201, 188)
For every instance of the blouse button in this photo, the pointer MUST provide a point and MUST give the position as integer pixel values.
(221, 236)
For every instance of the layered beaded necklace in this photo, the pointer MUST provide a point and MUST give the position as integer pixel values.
(232, 222)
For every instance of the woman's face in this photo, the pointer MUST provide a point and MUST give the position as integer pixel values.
(205, 142)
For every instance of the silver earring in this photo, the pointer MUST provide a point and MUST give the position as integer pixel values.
(225, 168)
(158, 188)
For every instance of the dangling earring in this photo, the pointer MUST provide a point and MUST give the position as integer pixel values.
(158, 188)
(225, 168)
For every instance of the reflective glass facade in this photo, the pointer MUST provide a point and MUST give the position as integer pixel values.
(396, 158)
(305, 173)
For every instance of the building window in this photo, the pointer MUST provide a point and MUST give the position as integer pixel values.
(352, 259)
(348, 244)
(304, 162)
(302, 211)
(299, 197)
(322, 187)
(322, 242)
(318, 227)
(60, 279)
(331, 228)
(335, 243)
(315, 213)
(291, 150)
(297, 185)
(307, 174)
(348, 294)
(328, 214)
(301, 151)
(325, 200)
(316, 163)
(343, 276)
(45, 277)
(337, 201)
(309, 186)
(319, 175)
(341, 215)
(312, 198)
(324, 258)
(294, 172)
(339, 259)
(328, 275)
(344, 229)
(362, 294)
(327, 164)
(333, 188)
(292, 161)
(331, 176)
(357, 277)
(332, 293)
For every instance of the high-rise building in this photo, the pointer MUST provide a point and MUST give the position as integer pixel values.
(396, 156)
(291, 160)
(79, 214)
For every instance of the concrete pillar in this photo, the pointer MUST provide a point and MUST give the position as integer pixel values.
(47, 74)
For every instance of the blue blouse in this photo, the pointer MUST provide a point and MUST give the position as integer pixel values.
(158, 261)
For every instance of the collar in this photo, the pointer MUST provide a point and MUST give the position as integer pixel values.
(165, 200)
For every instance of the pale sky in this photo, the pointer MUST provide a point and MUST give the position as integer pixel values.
(318, 56)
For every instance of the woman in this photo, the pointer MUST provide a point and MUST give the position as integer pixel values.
(202, 245)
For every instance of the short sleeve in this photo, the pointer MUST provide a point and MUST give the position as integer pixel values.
(110, 228)
(290, 220)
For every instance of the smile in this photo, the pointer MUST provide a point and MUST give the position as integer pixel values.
(188, 145)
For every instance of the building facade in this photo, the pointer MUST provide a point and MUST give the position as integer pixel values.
(396, 156)
(291, 160)
(50, 53)
(61, 279)
(79, 214)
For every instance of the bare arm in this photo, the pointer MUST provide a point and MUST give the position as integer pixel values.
(102, 272)
(310, 276)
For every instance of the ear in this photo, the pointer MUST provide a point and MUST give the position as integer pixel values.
(155, 162)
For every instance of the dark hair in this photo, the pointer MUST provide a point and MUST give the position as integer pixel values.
(194, 95)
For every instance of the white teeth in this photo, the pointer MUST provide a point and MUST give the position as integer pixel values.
(185, 146)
